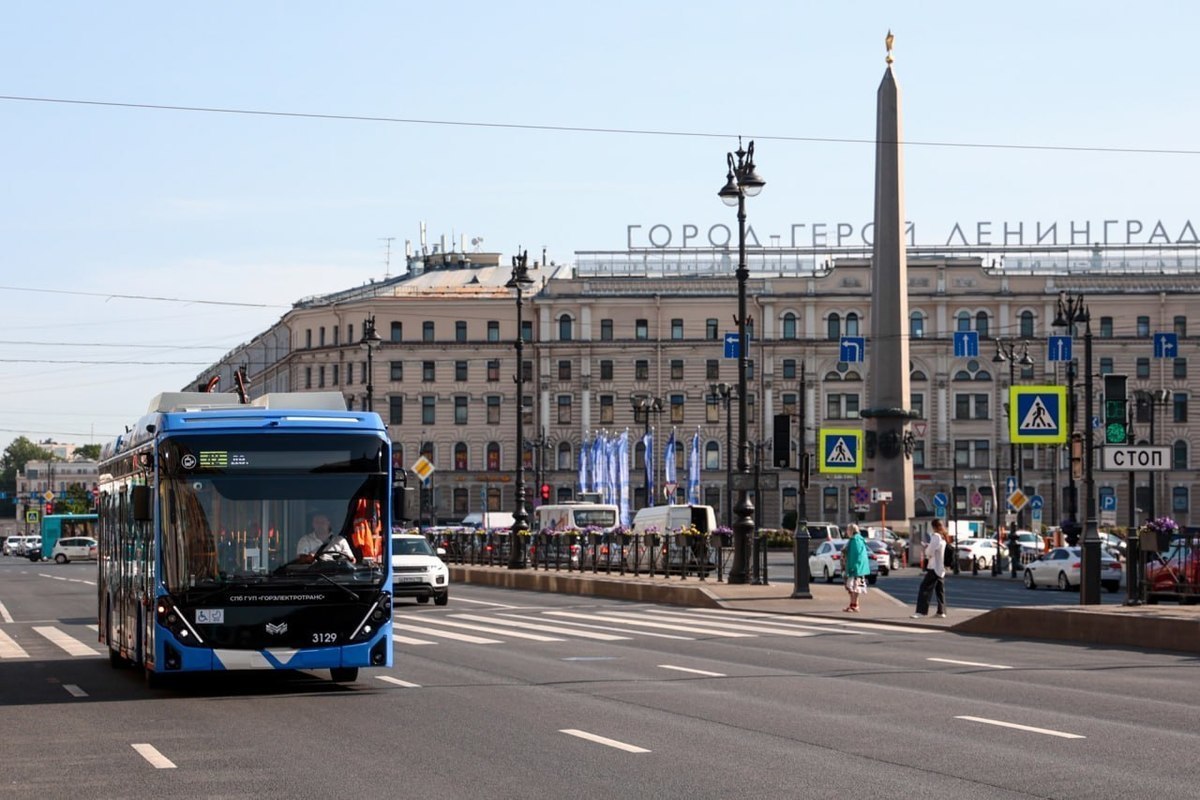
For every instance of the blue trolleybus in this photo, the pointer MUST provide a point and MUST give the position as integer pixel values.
(203, 506)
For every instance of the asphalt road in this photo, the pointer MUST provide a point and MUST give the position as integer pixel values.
(506, 694)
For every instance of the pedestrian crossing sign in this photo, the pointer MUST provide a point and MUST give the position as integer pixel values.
(841, 451)
(1037, 414)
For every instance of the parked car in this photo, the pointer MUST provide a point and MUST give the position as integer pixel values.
(1061, 567)
(1174, 573)
(74, 548)
(1031, 541)
(826, 562)
(820, 532)
(15, 545)
(418, 571)
(30, 547)
(882, 555)
(980, 552)
(897, 544)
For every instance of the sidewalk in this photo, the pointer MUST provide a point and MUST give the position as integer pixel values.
(1161, 627)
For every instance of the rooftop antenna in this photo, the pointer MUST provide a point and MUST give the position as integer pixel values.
(387, 259)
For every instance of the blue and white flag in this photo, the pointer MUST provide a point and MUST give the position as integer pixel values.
(610, 463)
(583, 470)
(669, 477)
(694, 471)
(623, 476)
(648, 447)
(598, 472)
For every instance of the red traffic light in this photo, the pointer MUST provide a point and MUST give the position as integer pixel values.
(49, 508)
(545, 492)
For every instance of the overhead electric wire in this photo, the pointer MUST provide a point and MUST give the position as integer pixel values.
(115, 296)
(586, 129)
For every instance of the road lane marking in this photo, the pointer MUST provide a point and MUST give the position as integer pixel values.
(533, 626)
(151, 754)
(9, 647)
(4, 615)
(70, 644)
(784, 623)
(591, 737)
(650, 624)
(535, 637)
(1046, 731)
(460, 637)
(627, 631)
(458, 599)
(739, 626)
(969, 663)
(409, 640)
(704, 672)
(74, 690)
(398, 682)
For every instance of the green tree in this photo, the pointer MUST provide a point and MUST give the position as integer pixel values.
(18, 453)
(88, 452)
(74, 501)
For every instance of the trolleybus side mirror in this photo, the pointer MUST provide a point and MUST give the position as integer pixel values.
(139, 498)
(403, 502)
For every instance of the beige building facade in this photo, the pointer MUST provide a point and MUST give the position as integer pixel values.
(617, 327)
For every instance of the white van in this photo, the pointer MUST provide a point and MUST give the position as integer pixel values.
(488, 520)
(673, 519)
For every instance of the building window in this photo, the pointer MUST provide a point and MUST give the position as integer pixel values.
(1143, 367)
(1181, 327)
(427, 334)
(334, 382)
(527, 416)
(527, 371)
(428, 371)
(428, 410)
(841, 406)
(1180, 407)
(1026, 324)
(981, 324)
(308, 340)
(397, 332)
(396, 370)
(321, 332)
(918, 455)
(606, 330)
(1179, 453)
(710, 329)
(916, 325)
(712, 369)
(308, 377)
(493, 460)
(789, 325)
(677, 328)
(564, 455)
(460, 331)
(641, 370)
(460, 457)
(460, 410)
(1106, 328)
(916, 402)
(493, 330)
(971, 406)
(526, 330)
(1106, 366)
(493, 370)
(350, 373)
(789, 369)
(606, 370)
(712, 456)
(320, 376)
(493, 409)
(565, 328)
(677, 408)
(1180, 369)
(788, 403)
(641, 329)
(833, 327)
(395, 409)
(1179, 499)
(962, 321)
(460, 371)
(829, 502)
(607, 409)
(564, 370)
(1143, 327)
(461, 498)
(852, 324)
(676, 369)
(564, 409)
(712, 408)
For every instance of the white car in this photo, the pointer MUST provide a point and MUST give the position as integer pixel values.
(418, 571)
(826, 562)
(74, 548)
(981, 552)
(15, 545)
(1061, 567)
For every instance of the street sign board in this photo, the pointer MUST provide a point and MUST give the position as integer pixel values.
(1108, 518)
(841, 451)
(1010, 484)
(31, 516)
(423, 467)
(966, 344)
(862, 495)
(939, 512)
(852, 349)
(1018, 500)
(1036, 502)
(48, 497)
(1036, 514)
(1059, 348)
(940, 500)
(1139, 458)
(1166, 345)
(1108, 502)
(1039, 414)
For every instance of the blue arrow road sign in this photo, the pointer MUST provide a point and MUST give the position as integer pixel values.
(1059, 348)
(966, 344)
(1166, 345)
(731, 345)
(1036, 502)
(940, 500)
(1108, 502)
(852, 349)
(1010, 484)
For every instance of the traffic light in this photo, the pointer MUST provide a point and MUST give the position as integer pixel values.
(49, 508)
(1116, 419)
(781, 444)
(545, 492)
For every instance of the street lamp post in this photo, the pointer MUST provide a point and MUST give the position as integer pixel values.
(370, 340)
(726, 392)
(1072, 310)
(520, 281)
(741, 182)
(1006, 350)
(644, 406)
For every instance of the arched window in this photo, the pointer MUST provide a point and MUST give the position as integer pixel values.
(460, 457)
(916, 325)
(493, 457)
(789, 325)
(1179, 499)
(833, 325)
(1179, 454)
(1026, 324)
(712, 455)
(981, 324)
(963, 321)
(852, 324)
(564, 455)
(564, 328)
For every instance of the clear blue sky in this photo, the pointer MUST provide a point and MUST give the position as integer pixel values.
(218, 208)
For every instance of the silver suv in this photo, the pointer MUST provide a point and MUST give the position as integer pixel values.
(819, 532)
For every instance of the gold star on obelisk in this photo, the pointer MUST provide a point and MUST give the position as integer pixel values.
(888, 42)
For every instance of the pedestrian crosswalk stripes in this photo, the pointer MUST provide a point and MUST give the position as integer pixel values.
(9, 648)
(70, 644)
(647, 623)
(534, 626)
(460, 637)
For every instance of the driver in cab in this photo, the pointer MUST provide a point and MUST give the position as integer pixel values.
(323, 544)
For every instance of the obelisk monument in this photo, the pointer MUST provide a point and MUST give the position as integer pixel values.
(889, 366)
